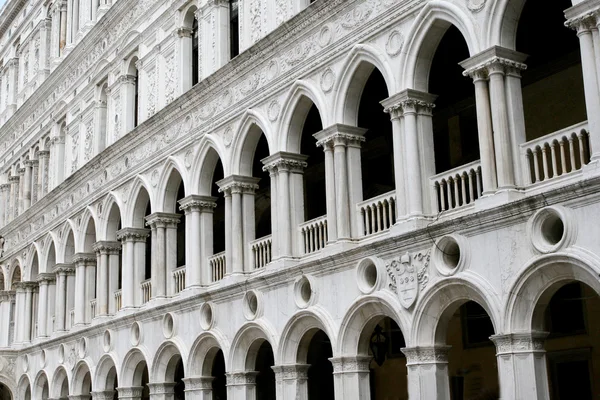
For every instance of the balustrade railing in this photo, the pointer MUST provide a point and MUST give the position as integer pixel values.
(457, 187)
(179, 278)
(146, 291)
(377, 214)
(261, 251)
(118, 301)
(314, 234)
(93, 308)
(217, 266)
(557, 154)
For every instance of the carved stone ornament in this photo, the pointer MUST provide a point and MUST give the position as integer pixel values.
(228, 136)
(475, 5)
(394, 43)
(7, 365)
(327, 80)
(273, 110)
(408, 274)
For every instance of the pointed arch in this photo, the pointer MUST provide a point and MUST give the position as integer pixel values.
(537, 282)
(204, 167)
(48, 260)
(360, 320)
(16, 273)
(356, 69)
(60, 383)
(24, 386)
(88, 231)
(33, 262)
(247, 341)
(173, 174)
(110, 218)
(299, 330)
(133, 363)
(424, 36)
(203, 352)
(79, 384)
(441, 300)
(252, 126)
(106, 372)
(165, 360)
(139, 194)
(301, 97)
(68, 242)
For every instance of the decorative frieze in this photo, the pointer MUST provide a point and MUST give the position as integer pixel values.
(426, 355)
(291, 372)
(525, 342)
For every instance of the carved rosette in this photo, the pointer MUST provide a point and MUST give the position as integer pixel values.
(291, 372)
(426, 355)
(527, 342)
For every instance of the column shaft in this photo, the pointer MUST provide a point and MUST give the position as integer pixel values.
(332, 232)
(592, 96)
(486, 139)
(502, 142)
(27, 317)
(27, 186)
(128, 294)
(237, 257)
(80, 294)
(413, 166)
(341, 190)
(103, 293)
(61, 302)
(42, 319)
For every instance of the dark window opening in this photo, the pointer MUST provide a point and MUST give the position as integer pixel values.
(314, 173)
(179, 390)
(565, 314)
(320, 372)
(195, 52)
(219, 388)
(477, 326)
(148, 260)
(265, 379)
(234, 30)
(136, 98)
(181, 261)
(262, 197)
(219, 211)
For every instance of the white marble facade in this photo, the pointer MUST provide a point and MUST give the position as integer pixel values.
(133, 197)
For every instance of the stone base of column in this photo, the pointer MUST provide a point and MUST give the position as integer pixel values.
(428, 372)
(410, 223)
(351, 377)
(291, 381)
(198, 388)
(498, 198)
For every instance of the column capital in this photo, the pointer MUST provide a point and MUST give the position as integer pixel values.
(584, 22)
(28, 163)
(45, 278)
(522, 342)
(496, 59)
(79, 397)
(58, 140)
(14, 179)
(64, 269)
(408, 100)
(197, 203)
(4, 187)
(43, 153)
(162, 219)
(198, 382)
(127, 79)
(291, 372)
(85, 259)
(241, 378)
(134, 392)
(34, 163)
(426, 354)
(104, 395)
(284, 161)
(7, 295)
(238, 184)
(107, 247)
(340, 134)
(183, 31)
(25, 285)
(162, 388)
(133, 234)
(21, 171)
(351, 364)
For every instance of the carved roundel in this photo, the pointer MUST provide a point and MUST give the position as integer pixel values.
(451, 254)
(476, 5)
(228, 136)
(154, 178)
(188, 158)
(327, 80)
(325, 36)
(394, 43)
(273, 111)
(551, 229)
(370, 275)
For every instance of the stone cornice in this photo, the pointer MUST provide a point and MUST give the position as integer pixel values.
(238, 184)
(198, 203)
(162, 219)
(284, 161)
(133, 234)
(495, 57)
(340, 134)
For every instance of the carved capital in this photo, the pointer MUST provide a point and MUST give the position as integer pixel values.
(5, 187)
(107, 247)
(525, 342)
(46, 278)
(196, 203)
(183, 32)
(426, 355)
(85, 259)
(198, 383)
(133, 234)
(284, 161)
(14, 179)
(64, 269)
(134, 392)
(241, 378)
(43, 154)
(408, 101)
(162, 220)
(162, 388)
(127, 79)
(7, 295)
(291, 372)
(583, 23)
(351, 364)
(496, 59)
(238, 184)
(340, 135)
(105, 395)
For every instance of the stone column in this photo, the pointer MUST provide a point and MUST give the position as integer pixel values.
(240, 231)
(164, 254)
(291, 381)
(198, 237)
(130, 393)
(127, 83)
(21, 191)
(213, 22)
(162, 391)
(104, 395)
(428, 372)
(344, 141)
(584, 26)
(114, 274)
(11, 98)
(44, 280)
(522, 365)
(61, 270)
(4, 193)
(43, 156)
(241, 385)
(411, 110)
(198, 388)
(284, 169)
(14, 197)
(28, 315)
(58, 144)
(351, 377)
(6, 298)
(63, 28)
(35, 173)
(133, 264)
(185, 58)
(82, 262)
(105, 276)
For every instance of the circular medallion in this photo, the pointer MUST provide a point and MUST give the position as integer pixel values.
(327, 80)
(273, 110)
(394, 43)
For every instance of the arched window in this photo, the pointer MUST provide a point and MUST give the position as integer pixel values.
(132, 94)
(102, 118)
(195, 52)
(234, 30)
